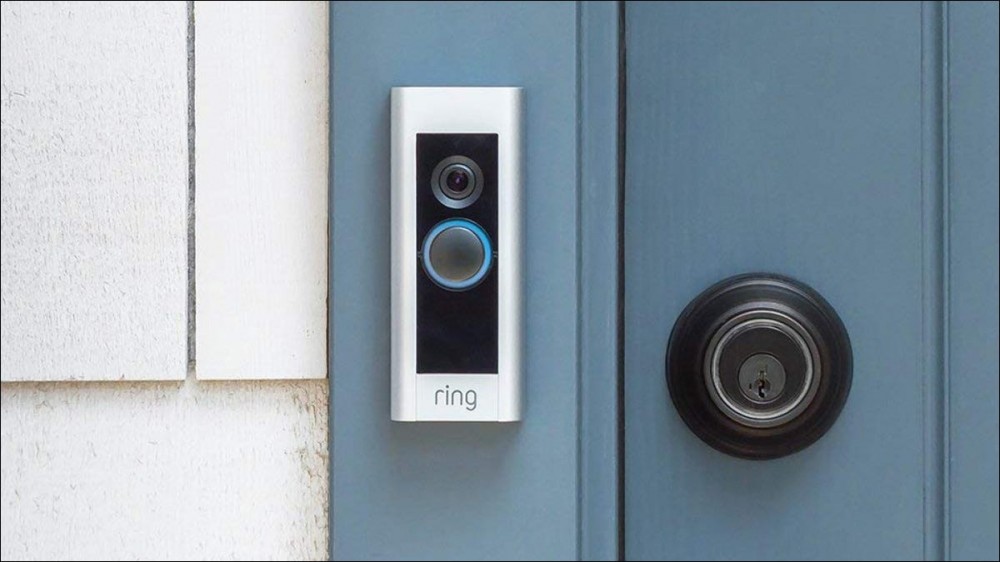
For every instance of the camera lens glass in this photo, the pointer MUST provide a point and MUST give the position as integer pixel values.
(457, 182)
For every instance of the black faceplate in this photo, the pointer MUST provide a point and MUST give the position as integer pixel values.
(457, 331)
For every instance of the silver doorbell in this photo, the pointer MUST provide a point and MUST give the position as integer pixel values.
(456, 254)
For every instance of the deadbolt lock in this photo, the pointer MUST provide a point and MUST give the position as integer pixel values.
(759, 366)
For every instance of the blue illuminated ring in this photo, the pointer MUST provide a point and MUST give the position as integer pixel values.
(487, 254)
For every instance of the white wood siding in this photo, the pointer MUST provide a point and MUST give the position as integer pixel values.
(261, 126)
(93, 191)
(95, 286)
(164, 471)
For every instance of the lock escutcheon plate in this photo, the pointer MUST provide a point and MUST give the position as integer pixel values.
(759, 366)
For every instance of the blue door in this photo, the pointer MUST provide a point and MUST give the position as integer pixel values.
(849, 148)
(852, 147)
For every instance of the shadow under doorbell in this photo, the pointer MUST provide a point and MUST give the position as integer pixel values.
(456, 254)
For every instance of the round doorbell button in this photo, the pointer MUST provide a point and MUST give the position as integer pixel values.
(457, 254)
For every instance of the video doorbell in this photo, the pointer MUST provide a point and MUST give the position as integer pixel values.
(456, 254)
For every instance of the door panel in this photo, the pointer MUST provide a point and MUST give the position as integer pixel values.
(784, 138)
(974, 281)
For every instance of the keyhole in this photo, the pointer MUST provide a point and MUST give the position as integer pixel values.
(761, 378)
(761, 386)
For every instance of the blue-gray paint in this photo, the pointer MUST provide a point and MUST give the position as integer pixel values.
(972, 253)
(598, 302)
(778, 137)
(466, 491)
(933, 189)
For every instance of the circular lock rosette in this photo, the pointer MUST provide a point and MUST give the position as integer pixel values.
(759, 366)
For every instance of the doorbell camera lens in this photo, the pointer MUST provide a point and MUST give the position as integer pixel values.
(457, 182)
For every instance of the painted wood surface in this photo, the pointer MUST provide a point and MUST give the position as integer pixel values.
(787, 138)
(94, 265)
(94, 191)
(973, 128)
(599, 281)
(186, 470)
(261, 144)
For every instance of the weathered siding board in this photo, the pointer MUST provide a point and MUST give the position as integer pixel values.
(261, 128)
(94, 191)
(95, 200)
(164, 471)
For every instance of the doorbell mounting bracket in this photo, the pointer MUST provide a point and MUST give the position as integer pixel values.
(456, 254)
